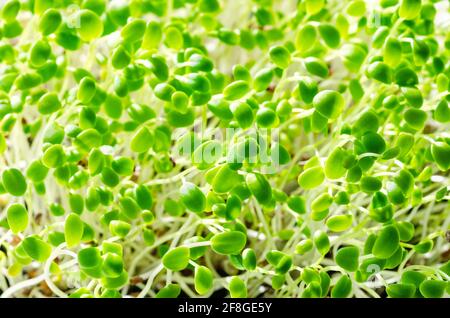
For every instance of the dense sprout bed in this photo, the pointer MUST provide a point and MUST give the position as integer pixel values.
(243, 148)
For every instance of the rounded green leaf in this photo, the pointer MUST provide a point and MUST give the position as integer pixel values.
(386, 243)
(129, 207)
(322, 242)
(73, 230)
(316, 67)
(39, 53)
(416, 118)
(307, 89)
(334, 166)
(373, 142)
(370, 184)
(311, 178)
(120, 59)
(225, 179)
(266, 117)
(14, 182)
(237, 288)
(280, 56)
(442, 112)
(169, 291)
(329, 103)
(380, 72)
(36, 248)
(17, 217)
(133, 31)
(347, 258)
(322, 202)
(409, 9)
(91, 27)
(330, 35)
(203, 280)
(432, 288)
(297, 204)
(142, 140)
(304, 246)
(236, 90)
(54, 156)
(89, 258)
(305, 38)
(259, 187)
(192, 197)
(405, 181)
(441, 155)
(392, 51)
(339, 223)
(405, 230)
(152, 35)
(262, 79)
(400, 290)
(115, 282)
(176, 259)
(249, 259)
(86, 90)
(424, 246)
(119, 228)
(413, 278)
(49, 21)
(143, 196)
(343, 288)
(227, 243)
(112, 265)
(96, 161)
(48, 103)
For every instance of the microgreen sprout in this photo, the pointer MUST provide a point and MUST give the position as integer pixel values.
(258, 148)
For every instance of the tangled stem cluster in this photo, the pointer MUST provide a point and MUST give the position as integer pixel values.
(332, 179)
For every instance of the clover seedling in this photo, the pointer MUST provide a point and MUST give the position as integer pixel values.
(179, 149)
